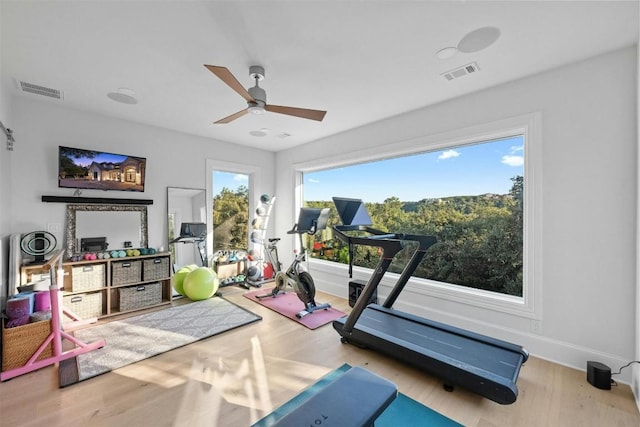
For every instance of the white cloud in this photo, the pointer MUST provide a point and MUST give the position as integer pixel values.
(512, 160)
(240, 177)
(516, 148)
(449, 154)
(314, 180)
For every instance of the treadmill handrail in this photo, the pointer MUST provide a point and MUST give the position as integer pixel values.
(390, 247)
(377, 237)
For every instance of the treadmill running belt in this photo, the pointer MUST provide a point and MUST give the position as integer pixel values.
(481, 364)
(465, 351)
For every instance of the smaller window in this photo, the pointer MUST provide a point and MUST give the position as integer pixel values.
(230, 210)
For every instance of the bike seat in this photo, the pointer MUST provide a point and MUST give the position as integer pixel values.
(273, 239)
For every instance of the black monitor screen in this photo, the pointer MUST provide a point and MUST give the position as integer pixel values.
(197, 230)
(352, 211)
(312, 219)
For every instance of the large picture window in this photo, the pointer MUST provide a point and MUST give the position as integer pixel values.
(471, 197)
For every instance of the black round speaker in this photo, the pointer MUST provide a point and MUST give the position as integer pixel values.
(38, 244)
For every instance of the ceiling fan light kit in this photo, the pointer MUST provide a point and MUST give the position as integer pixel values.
(256, 97)
(255, 108)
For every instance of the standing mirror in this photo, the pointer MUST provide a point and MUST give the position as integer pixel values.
(184, 206)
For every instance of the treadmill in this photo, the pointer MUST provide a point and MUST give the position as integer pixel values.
(481, 364)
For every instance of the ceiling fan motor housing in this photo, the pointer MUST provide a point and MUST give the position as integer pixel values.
(259, 95)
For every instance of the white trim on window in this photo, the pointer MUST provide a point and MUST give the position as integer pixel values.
(529, 125)
(230, 167)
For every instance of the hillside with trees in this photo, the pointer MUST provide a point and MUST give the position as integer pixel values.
(480, 240)
(231, 218)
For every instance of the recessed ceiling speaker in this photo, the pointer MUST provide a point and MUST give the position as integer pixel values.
(38, 244)
(479, 39)
(123, 95)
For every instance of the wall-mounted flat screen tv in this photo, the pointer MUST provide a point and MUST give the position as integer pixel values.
(100, 170)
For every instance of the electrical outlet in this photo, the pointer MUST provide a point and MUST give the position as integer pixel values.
(536, 326)
(54, 227)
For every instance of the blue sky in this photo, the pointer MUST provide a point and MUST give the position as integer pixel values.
(463, 171)
(229, 180)
(470, 170)
(102, 157)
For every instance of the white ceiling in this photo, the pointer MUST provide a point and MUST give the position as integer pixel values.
(362, 61)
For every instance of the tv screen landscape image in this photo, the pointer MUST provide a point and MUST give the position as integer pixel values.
(100, 170)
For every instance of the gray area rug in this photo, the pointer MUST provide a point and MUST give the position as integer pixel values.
(137, 338)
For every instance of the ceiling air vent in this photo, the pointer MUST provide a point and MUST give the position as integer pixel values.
(461, 71)
(39, 90)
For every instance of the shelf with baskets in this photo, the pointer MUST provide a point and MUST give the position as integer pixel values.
(108, 287)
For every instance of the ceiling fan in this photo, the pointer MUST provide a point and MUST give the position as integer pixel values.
(256, 97)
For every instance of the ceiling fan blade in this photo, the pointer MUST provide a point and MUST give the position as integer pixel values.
(232, 117)
(225, 75)
(304, 113)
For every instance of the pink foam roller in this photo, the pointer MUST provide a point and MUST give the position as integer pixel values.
(43, 301)
(18, 307)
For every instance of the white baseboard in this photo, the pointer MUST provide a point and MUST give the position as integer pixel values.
(538, 345)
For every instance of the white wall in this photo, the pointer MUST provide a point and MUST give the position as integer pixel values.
(5, 156)
(589, 191)
(173, 159)
(635, 385)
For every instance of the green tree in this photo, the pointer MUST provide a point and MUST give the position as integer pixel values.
(231, 218)
(480, 238)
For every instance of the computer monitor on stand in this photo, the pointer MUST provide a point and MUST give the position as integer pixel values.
(196, 233)
(311, 220)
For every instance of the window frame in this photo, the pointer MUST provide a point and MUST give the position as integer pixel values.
(229, 167)
(529, 126)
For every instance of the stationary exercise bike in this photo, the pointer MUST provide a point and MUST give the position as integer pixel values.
(310, 221)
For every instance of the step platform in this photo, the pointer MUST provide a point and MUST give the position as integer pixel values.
(356, 398)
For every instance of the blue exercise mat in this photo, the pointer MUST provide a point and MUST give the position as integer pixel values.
(403, 411)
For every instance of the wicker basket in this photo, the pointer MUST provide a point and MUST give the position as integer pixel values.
(21, 342)
(87, 277)
(84, 305)
(125, 272)
(155, 269)
(135, 297)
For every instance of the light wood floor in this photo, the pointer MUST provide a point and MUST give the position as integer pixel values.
(236, 378)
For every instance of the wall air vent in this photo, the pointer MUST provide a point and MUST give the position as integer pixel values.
(39, 90)
(461, 71)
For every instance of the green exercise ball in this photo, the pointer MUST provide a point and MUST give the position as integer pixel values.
(202, 283)
(179, 276)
